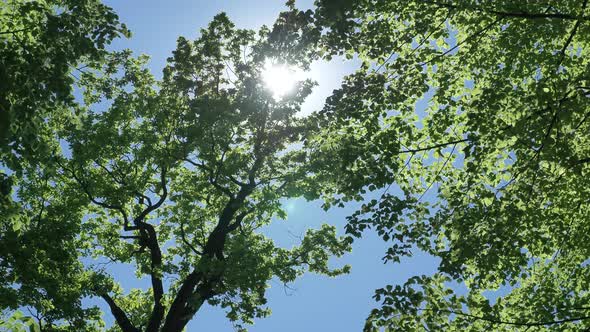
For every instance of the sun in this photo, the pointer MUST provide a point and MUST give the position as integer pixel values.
(280, 79)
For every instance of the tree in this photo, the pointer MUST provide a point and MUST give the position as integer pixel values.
(493, 172)
(175, 178)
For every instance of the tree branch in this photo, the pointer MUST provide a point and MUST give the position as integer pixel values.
(519, 14)
(181, 311)
(155, 256)
(435, 146)
(92, 199)
(121, 181)
(12, 32)
(212, 179)
(198, 286)
(237, 223)
(120, 316)
(572, 34)
(514, 323)
(184, 239)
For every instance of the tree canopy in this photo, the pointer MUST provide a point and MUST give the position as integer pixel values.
(40, 43)
(464, 134)
(493, 171)
(174, 177)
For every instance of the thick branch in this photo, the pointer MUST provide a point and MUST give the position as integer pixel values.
(239, 219)
(120, 316)
(155, 257)
(177, 318)
(198, 286)
(196, 283)
(148, 234)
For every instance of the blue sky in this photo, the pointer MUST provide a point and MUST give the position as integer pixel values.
(313, 303)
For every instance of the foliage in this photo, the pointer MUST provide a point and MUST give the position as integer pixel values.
(18, 322)
(41, 43)
(475, 113)
(174, 177)
(493, 171)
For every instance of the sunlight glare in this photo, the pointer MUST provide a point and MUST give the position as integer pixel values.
(280, 79)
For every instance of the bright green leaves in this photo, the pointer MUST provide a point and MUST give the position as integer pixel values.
(18, 322)
(292, 39)
(478, 115)
(385, 217)
(316, 248)
(174, 177)
(41, 43)
(137, 304)
(431, 302)
(253, 260)
(39, 250)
